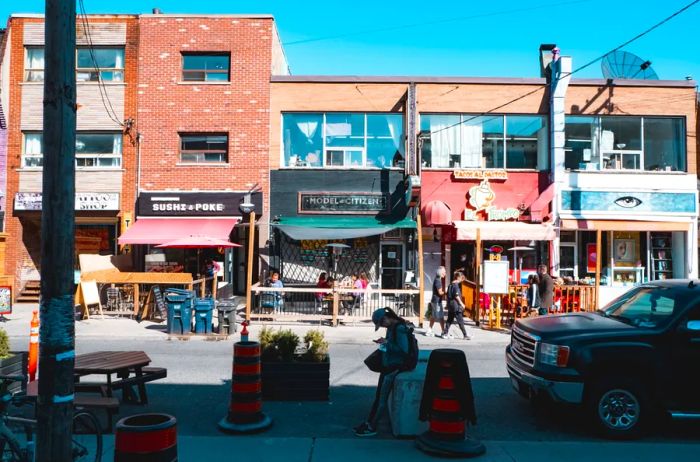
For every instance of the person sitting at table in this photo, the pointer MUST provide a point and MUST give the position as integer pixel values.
(322, 283)
(278, 297)
(364, 280)
(356, 296)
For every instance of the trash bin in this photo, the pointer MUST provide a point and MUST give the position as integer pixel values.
(203, 309)
(180, 303)
(226, 312)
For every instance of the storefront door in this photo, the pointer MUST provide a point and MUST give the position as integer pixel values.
(392, 265)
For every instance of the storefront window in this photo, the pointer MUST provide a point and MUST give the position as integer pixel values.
(471, 141)
(625, 143)
(353, 140)
(91, 150)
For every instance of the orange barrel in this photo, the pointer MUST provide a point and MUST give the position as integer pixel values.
(146, 438)
(245, 409)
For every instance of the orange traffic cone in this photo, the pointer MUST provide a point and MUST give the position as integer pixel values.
(33, 346)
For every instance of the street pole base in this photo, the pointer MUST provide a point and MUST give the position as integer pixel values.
(255, 427)
(467, 447)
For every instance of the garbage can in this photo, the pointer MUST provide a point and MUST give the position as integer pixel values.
(180, 304)
(226, 312)
(203, 309)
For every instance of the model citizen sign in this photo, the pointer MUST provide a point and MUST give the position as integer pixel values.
(322, 202)
(25, 201)
(480, 199)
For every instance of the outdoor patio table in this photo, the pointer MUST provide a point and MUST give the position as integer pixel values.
(128, 366)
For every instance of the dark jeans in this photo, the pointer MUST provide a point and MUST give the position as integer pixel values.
(381, 398)
(452, 314)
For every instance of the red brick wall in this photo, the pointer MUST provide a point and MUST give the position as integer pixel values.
(240, 107)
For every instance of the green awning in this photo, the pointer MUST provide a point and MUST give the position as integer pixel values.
(341, 227)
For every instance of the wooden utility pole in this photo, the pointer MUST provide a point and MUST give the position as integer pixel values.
(57, 334)
(249, 269)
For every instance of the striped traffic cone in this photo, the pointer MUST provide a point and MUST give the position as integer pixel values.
(245, 410)
(448, 404)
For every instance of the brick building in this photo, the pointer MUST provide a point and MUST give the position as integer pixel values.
(175, 111)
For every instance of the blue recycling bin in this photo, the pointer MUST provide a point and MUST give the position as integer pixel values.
(180, 303)
(203, 310)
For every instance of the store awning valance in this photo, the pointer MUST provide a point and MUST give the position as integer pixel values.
(504, 231)
(156, 231)
(325, 227)
(436, 213)
(625, 225)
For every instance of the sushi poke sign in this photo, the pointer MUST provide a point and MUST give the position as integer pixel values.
(481, 198)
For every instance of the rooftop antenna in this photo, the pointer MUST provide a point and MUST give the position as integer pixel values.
(625, 65)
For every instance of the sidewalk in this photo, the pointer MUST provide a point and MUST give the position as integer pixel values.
(121, 327)
(261, 449)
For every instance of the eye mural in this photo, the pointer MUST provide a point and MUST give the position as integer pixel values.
(628, 202)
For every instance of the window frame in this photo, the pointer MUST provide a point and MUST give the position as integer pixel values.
(94, 156)
(28, 70)
(184, 54)
(94, 69)
(204, 162)
(325, 149)
(504, 139)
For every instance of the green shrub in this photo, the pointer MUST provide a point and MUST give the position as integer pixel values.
(287, 343)
(316, 346)
(268, 349)
(4, 344)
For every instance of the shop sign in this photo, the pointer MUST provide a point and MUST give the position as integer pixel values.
(195, 204)
(481, 198)
(83, 201)
(346, 202)
(481, 174)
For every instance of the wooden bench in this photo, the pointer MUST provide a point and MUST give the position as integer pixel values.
(148, 374)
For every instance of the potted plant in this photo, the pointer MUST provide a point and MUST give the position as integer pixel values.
(11, 363)
(291, 373)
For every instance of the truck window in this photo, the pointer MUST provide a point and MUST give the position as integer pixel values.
(643, 306)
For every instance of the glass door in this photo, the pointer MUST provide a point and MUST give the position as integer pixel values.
(568, 260)
(392, 265)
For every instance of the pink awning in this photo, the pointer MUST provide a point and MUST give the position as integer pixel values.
(504, 231)
(161, 230)
(436, 213)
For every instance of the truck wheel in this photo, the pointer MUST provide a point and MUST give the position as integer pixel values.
(618, 408)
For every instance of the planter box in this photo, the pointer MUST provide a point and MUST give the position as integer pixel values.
(14, 365)
(295, 381)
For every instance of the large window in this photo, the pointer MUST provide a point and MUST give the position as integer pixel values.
(625, 143)
(351, 140)
(204, 148)
(201, 67)
(493, 141)
(96, 150)
(92, 65)
(105, 64)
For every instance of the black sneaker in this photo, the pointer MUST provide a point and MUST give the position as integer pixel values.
(365, 429)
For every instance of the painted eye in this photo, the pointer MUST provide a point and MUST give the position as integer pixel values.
(628, 202)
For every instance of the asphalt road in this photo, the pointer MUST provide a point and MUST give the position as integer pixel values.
(196, 391)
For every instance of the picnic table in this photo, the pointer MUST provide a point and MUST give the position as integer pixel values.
(130, 368)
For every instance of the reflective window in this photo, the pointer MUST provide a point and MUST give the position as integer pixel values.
(102, 150)
(202, 67)
(106, 64)
(34, 64)
(492, 141)
(353, 140)
(625, 143)
(203, 148)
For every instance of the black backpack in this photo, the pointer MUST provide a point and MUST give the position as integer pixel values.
(411, 360)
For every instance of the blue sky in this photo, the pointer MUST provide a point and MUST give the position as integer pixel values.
(451, 38)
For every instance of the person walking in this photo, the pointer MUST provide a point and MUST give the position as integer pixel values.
(533, 294)
(395, 350)
(437, 313)
(545, 289)
(455, 306)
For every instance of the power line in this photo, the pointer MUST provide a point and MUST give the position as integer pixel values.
(437, 21)
(578, 69)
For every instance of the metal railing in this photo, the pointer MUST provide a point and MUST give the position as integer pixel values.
(333, 304)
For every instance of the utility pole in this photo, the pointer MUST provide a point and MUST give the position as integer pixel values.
(57, 334)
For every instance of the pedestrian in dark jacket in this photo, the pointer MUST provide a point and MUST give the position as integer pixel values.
(533, 293)
(455, 306)
(395, 349)
(546, 290)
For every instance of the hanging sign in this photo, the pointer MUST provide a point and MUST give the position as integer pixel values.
(31, 201)
(480, 199)
(342, 202)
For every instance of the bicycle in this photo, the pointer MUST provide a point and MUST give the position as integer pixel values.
(87, 433)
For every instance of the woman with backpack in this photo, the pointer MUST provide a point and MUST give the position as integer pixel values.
(455, 306)
(397, 352)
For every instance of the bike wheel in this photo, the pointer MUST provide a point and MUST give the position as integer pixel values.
(87, 437)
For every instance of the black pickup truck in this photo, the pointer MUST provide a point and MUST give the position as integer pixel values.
(637, 358)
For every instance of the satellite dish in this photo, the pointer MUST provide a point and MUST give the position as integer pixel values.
(625, 65)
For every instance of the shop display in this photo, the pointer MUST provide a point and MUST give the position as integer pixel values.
(661, 256)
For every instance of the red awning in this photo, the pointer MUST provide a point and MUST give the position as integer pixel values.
(436, 213)
(161, 230)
